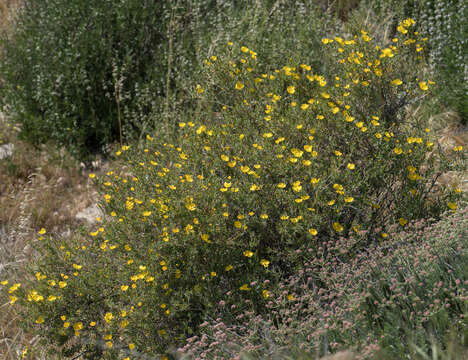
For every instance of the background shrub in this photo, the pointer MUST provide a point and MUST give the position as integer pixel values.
(72, 70)
(446, 24)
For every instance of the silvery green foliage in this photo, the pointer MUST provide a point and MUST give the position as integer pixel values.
(445, 22)
(60, 66)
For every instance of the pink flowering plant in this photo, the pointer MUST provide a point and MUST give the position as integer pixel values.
(396, 299)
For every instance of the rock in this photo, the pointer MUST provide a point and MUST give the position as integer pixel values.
(89, 214)
(6, 151)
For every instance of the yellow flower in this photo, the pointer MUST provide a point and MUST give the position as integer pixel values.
(266, 293)
(124, 323)
(423, 86)
(401, 29)
(264, 263)
(291, 89)
(297, 152)
(237, 224)
(124, 287)
(402, 221)
(314, 181)
(387, 52)
(190, 206)
(78, 326)
(228, 268)
(452, 205)
(397, 82)
(239, 86)
(351, 166)
(349, 199)
(108, 317)
(337, 227)
(244, 287)
(14, 287)
(205, 238)
(313, 232)
(39, 320)
(290, 297)
(92, 176)
(42, 231)
(248, 253)
(297, 186)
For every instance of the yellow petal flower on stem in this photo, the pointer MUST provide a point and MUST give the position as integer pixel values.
(397, 82)
(205, 238)
(452, 205)
(108, 317)
(313, 232)
(291, 89)
(248, 253)
(314, 181)
(297, 152)
(239, 86)
(265, 263)
(337, 227)
(423, 86)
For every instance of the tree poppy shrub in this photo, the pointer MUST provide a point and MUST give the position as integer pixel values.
(216, 215)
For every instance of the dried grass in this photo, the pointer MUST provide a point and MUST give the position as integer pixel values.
(8, 9)
(38, 188)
